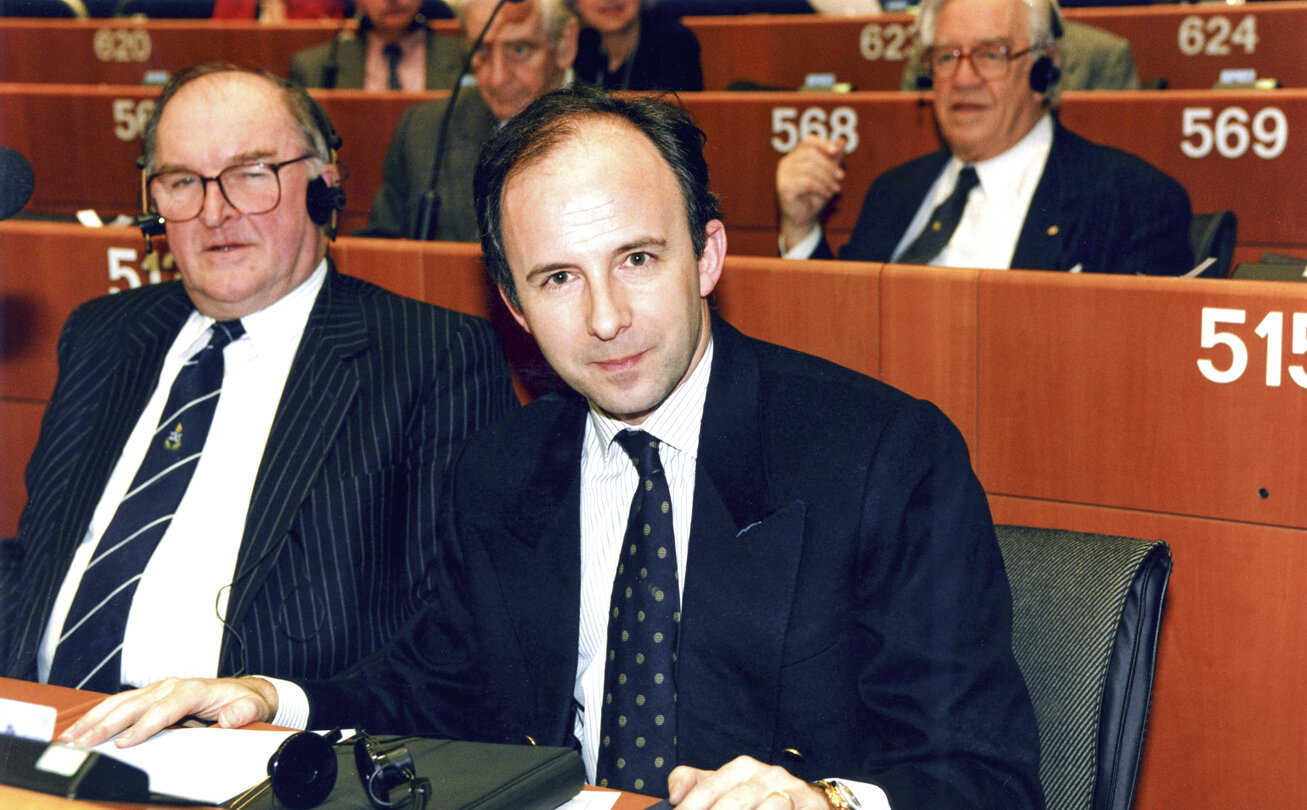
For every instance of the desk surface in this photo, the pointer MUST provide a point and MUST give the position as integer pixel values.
(72, 703)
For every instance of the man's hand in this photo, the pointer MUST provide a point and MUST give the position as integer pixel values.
(740, 784)
(806, 180)
(232, 702)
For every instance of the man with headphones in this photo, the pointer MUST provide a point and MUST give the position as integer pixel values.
(1013, 187)
(239, 471)
(392, 49)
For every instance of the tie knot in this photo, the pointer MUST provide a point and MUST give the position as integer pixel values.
(641, 447)
(225, 332)
(967, 180)
(391, 52)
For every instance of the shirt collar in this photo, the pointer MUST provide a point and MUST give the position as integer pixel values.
(675, 422)
(280, 323)
(1005, 173)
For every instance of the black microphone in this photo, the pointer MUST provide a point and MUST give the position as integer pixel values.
(16, 182)
(429, 214)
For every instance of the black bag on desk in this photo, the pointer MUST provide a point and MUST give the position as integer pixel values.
(463, 776)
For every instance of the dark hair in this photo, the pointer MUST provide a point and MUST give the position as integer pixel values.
(550, 121)
(318, 132)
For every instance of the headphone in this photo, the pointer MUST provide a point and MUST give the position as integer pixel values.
(1044, 73)
(321, 200)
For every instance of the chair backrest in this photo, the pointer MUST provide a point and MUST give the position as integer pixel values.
(1212, 236)
(1086, 610)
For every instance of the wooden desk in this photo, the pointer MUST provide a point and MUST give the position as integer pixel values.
(1187, 45)
(1230, 149)
(1150, 407)
(129, 51)
(72, 703)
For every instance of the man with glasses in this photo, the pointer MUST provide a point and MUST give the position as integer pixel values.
(238, 472)
(527, 52)
(1012, 188)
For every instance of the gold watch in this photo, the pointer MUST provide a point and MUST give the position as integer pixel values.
(837, 794)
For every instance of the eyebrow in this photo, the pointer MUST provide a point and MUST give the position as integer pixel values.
(252, 156)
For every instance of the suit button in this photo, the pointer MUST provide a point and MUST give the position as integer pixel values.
(792, 755)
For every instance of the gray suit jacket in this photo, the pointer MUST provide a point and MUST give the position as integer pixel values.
(342, 518)
(339, 63)
(1092, 59)
(407, 170)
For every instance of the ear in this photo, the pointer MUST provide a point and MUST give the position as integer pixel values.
(567, 44)
(513, 310)
(714, 254)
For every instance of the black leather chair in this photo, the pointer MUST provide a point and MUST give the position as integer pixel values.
(1212, 237)
(1086, 609)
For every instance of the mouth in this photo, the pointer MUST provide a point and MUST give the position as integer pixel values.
(620, 365)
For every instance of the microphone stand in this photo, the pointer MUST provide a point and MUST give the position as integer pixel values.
(429, 213)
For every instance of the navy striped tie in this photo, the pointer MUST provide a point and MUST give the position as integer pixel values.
(638, 745)
(89, 654)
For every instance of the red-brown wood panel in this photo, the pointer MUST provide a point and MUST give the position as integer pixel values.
(1096, 392)
(928, 325)
(129, 51)
(828, 309)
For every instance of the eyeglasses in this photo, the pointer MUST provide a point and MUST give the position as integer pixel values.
(251, 188)
(990, 60)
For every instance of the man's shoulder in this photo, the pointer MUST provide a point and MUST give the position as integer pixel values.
(1106, 167)
(913, 173)
(129, 306)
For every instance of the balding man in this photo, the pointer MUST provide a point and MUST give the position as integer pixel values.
(238, 471)
(527, 52)
(1012, 188)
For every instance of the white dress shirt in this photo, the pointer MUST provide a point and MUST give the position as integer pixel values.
(996, 210)
(175, 624)
(411, 68)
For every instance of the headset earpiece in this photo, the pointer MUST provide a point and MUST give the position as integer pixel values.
(1044, 74)
(323, 201)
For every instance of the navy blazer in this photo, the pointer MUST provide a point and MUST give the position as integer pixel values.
(342, 517)
(1095, 206)
(845, 609)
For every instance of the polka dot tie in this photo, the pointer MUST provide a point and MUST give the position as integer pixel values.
(637, 748)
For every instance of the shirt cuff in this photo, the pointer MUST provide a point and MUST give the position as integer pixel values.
(292, 704)
(869, 796)
(806, 246)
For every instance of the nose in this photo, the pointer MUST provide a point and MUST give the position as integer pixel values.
(609, 310)
(216, 209)
(494, 68)
(966, 73)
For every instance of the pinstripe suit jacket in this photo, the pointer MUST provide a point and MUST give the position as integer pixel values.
(341, 519)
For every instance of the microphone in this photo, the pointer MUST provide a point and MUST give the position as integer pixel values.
(429, 214)
(16, 182)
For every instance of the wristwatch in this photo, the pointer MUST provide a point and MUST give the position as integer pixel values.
(837, 794)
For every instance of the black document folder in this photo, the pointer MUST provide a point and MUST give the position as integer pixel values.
(464, 776)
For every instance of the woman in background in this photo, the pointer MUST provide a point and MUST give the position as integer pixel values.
(624, 47)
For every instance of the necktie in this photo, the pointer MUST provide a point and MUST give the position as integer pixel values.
(943, 221)
(638, 741)
(89, 652)
(392, 54)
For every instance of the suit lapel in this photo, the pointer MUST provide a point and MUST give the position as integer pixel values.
(535, 551)
(745, 545)
(319, 390)
(1040, 244)
(351, 61)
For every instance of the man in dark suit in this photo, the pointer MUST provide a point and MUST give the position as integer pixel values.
(526, 53)
(297, 543)
(1033, 195)
(393, 49)
(811, 583)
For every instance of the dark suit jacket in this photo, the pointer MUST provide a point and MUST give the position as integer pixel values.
(665, 58)
(341, 520)
(407, 170)
(1095, 206)
(345, 55)
(844, 594)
